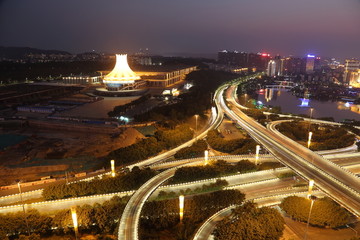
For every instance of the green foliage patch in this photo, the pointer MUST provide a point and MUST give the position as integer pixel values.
(325, 212)
(125, 182)
(213, 170)
(248, 222)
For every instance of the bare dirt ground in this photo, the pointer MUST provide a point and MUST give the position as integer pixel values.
(230, 131)
(17, 162)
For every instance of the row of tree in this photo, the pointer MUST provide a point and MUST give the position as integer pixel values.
(147, 147)
(161, 218)
(325, 212)
(195, 150)
(247, 222)
(124, 182)
(196, 101)
(323, 138)
(211, 187)
(97, 219)
(212, 170)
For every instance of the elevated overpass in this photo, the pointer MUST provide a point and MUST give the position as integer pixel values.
(341, 185)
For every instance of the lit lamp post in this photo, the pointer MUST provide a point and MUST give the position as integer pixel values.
(112, 162)
(356, 233)
(181, 207)
(309, 140)
(75, 222)
(257, 154)
(196, 121)
(23, 207)
(312, 198)
(206, 157)
(311, 113)
(311, 185)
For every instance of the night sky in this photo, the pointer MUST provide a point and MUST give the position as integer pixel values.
(324, 27)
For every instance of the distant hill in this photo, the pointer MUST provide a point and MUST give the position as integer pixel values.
(22, 52)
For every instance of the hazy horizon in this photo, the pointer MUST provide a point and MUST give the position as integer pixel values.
(328, 28)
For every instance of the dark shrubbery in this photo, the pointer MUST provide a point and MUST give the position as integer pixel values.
(248, 222)
(196, 150)
(325, 212)
(147, 147)
(99, 218)
(160, 216)
(126, 182)
(216, 169)
(323, 138)
(196, 101)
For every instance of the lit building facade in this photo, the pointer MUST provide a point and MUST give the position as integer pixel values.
(352, 72)
(82, 80)
(310, 63)
(255, 61)
(165, 77)
(122, 76)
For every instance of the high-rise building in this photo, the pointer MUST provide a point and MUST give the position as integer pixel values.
(352, 72)
(310, 63)
(233, 58)
(256, 61)
(293, 65)
(271, 69)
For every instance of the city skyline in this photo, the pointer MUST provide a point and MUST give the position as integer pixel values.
(326, 28)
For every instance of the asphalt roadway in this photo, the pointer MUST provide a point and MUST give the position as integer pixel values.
(342, 186)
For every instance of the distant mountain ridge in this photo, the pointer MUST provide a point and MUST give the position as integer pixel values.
(22, 52)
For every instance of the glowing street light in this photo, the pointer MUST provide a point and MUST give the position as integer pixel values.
(112, 162)
(311, 185)
(311, 113)
(206, 157)
(181, 207)
(23, 207)
(312, 198)
(257, 154)
(75, 222)
(309, 140)
(196, 120)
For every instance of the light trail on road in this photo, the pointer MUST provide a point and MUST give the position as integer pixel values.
(342, 186)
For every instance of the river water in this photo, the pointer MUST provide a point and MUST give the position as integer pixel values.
(291, 104)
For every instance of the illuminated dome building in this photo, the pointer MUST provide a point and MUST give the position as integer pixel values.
(122, 81)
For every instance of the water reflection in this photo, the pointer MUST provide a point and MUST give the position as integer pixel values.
(291, 104)
(349, 106)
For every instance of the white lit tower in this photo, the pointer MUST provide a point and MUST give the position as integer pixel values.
(121, 76)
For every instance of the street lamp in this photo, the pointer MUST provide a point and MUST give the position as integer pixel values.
(196, 120)
(181, 207)
(311, 113)
(23, 207)
(75, 222)
(356, 232)
(311, 185)
(245, 98)
(257, 154)
(312, 198)
(206, 156)
(309, 140)
(112, 162)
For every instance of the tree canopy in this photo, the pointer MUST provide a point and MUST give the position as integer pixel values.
(325, 212)
(247, 222)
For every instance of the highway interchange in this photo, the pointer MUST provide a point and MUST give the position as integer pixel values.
(344, 188)
(342, 185)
